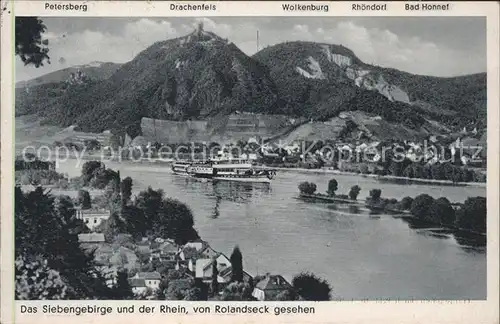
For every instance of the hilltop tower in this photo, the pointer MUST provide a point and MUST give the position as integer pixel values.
(199, 30)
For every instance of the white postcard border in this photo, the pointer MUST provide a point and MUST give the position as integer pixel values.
(325, 312)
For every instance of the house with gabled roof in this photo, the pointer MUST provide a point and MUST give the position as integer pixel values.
(91, 217)
(151, 279)
(138, 285)
(91, 238)
(270, 286)
(204, 267)
(227, 275)
(164, 252)
(204, 270)
(193, 251)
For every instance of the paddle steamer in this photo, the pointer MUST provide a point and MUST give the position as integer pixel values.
(225, 168)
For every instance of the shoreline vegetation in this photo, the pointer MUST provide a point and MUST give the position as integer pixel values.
(323, 170)
(146, 236)
(469, 216)
(382, 177)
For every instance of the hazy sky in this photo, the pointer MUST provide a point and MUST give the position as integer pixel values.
(440, 46)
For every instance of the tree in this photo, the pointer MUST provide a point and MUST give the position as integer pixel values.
(472, 215)
(375, 194)
(236, 265)
(64, 208)
(36, 281)
(308, 188)
(194, 294)
(175, 221)
(160, 292)
(84, 199)
(396, 168)
(126, 190)
(406, 203)
(122, 289)
(442, 212)
(363, 168)
(112, 227)
(113, 199)
(354, 192)
(179, 289)
(105, 177)
(65, 211)
(310, 287)
(215, 274)
(135, 222)
(409, 171)
(29, 45)
(150, 202)
(115, 141)
(287, 295)
(40, 232)
(90, 169)
(332, 187)
(437, 172)
(237, 291)
(420, 207)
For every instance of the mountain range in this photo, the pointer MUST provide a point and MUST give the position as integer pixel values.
(202, 76)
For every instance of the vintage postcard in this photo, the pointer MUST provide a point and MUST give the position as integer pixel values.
(249, 162)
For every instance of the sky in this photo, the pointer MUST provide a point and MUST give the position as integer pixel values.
(437, 46)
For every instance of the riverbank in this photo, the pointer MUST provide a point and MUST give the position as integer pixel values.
(391, 209)
(390, 178)
(380, 177)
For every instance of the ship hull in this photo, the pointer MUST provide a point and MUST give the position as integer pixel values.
(248, 179)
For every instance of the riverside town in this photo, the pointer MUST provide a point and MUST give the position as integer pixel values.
(250, 159)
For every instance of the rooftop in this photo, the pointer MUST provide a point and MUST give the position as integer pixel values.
(91, 238)
(272, 282)
(136, 282)
(148, 275)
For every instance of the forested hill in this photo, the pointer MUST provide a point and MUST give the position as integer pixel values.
(94, 70)
(321, 79)
(205, 77)
(197, 76)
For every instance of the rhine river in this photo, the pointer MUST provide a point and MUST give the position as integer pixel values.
(361, 257)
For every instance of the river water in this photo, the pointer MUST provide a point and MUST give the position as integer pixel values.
(360, 256)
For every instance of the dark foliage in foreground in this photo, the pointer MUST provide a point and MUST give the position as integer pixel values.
(310, 287)
(47, 244)
(29, 45)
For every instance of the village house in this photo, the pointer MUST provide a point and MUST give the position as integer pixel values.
(165, 252)
(142, 281)
(192, 251)
(249, 156)
(204, 271)
(109, 273)
(292, 148)
(253, 140)
(204, 267)
(227, 274)
(91, 238)
(91, 241)
(91, 217)
(138, 286)
(269, 287)
(144, 246)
